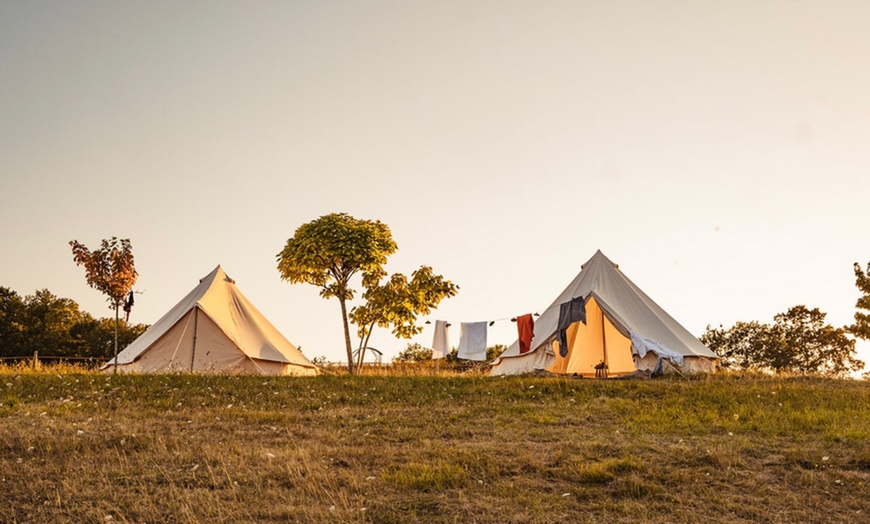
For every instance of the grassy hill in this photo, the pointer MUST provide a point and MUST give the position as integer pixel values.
(87, 447)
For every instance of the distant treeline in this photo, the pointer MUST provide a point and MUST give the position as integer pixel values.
(56, 327)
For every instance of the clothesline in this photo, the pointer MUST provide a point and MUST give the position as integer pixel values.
(514, 319)
(493, 321)
(472, 344)
(473, 335)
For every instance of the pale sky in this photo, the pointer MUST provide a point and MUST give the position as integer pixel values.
(717, 151)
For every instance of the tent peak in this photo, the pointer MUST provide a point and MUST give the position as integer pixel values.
(599, 255)
(217, 273)
(223, 274)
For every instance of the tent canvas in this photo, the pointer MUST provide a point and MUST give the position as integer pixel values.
(624, 328)
(214, 329)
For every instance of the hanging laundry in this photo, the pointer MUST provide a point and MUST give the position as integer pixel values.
(472, 341)
(525, 332)
(128, 306)
(572, 311)
(441, 342)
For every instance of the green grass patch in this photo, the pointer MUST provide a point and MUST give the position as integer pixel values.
(606, 470)
(427, 477)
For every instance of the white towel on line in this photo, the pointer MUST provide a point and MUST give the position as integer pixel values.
(441, 342)
(472, 340)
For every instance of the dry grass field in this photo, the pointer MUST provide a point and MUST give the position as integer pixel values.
(88, 447)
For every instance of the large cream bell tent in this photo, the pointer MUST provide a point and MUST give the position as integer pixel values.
(214, 329)
(624, 329)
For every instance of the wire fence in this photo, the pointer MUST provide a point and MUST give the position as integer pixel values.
(36, 359)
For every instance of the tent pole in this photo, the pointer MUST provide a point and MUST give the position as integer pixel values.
(603, 338)
(193, 351)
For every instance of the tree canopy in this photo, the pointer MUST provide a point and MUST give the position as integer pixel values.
(329, 251)
(55, 326)
(13, 323)
(414, 352)
(109, 269)
(861, 327)
(798, 341)
(397, 303)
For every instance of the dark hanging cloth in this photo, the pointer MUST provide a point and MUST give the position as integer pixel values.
(128, 306)
(525, 332)
(572, 311)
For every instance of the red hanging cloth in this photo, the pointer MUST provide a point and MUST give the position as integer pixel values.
(525, 332)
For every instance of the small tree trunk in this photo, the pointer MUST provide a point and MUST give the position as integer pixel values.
(363, 344)
(346, 335)
(360, 352)
(116, 338)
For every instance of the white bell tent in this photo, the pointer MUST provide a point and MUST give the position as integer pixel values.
(214, 329)
(624, 329)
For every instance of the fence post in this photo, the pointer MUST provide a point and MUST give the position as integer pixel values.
(35, 359)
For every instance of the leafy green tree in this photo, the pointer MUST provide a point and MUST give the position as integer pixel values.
(745, 345)
(861, 327)
(798, 341)
(329, 251)
(494, 351)
(56, 327)
(51, 322)
(397, 303)
(110, 270)
(13, 323)
(413, 353)
(817, 347)
(97, 336)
